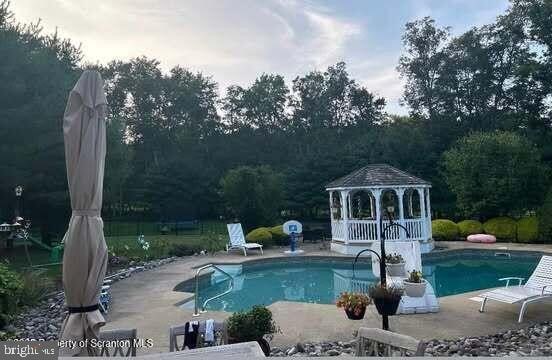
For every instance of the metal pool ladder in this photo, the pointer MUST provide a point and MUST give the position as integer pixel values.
(196, 295)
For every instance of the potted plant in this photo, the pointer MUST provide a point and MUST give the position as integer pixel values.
(386, 298)
(395, 264)
(415, 284)
(253, 325)
(354, 304)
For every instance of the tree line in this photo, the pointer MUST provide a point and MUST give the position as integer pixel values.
(174, 135)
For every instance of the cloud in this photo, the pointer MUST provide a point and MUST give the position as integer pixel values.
(236, 41)
(332, 36)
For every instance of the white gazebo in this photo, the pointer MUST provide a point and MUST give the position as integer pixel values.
(358, 200)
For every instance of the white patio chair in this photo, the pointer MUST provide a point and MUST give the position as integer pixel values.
(237, 240)
(537, 288)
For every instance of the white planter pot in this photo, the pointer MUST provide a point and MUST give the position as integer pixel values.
(414, 289)
(396, 269)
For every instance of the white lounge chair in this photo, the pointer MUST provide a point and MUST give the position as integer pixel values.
(537, 288)
(237, 240)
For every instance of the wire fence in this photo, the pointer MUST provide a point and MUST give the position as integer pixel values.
(136, 228)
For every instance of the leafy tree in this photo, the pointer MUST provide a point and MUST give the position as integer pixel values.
(331, 99)
(254, 194)
(422, 65)
(37, 72)
(261, 106)
(495, 173)
(171, 137)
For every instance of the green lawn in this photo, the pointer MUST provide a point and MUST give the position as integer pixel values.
(160, 245)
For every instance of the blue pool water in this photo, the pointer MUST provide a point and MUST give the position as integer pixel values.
(319, 280)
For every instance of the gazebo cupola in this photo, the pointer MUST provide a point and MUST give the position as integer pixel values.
(358, 202)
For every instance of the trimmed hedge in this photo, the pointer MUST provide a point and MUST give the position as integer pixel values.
(261, 236)
(470, 227)
(278, 235)
(527, 229)
(444, 229)
(504, 228)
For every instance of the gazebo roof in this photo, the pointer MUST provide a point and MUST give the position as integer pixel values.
(376, 175)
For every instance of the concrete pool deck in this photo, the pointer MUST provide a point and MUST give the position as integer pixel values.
(146, 301)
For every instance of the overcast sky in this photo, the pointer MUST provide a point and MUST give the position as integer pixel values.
(234, 41)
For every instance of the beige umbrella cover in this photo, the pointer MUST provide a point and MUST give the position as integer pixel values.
(85, 255)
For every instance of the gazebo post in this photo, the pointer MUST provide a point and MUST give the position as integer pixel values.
(400, 195)
(410, 205)
(345, 214)
(331, 207)
(349, 206)
(428, 213)
(421, 195)
(379, 218)
(371, 203)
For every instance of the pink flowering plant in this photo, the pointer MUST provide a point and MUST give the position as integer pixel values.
(353, 302)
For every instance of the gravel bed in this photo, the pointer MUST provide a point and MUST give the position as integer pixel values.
(43, 321)
(535, 340)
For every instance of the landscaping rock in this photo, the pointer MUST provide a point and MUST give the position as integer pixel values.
(44, 320)
(535, 340)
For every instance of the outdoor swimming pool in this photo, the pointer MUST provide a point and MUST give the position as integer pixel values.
(320, 280)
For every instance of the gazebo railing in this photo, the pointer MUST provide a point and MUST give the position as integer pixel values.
(367, 230)
(338, 230)
(363, 230)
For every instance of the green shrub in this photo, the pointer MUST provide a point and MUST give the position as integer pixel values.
(184, 249)
(35, 285)
(545, 218)
(11, 286)
(261, 236)
(278, 235)
(470, 227)
(252, 325)
(504, 228)
(444, 229)
(527, 229)
(212, 242)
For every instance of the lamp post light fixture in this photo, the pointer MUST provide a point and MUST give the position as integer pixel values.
(18, 194)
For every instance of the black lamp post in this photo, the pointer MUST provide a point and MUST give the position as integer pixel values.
(18, 193)
(16, 225)
(381, 257)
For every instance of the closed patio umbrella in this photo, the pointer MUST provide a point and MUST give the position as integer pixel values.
(85, 255)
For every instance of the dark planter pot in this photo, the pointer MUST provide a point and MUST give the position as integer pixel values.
(351, 315)
(387, 306)
(265, 346)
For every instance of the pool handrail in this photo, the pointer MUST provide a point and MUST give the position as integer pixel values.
(196, 294)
